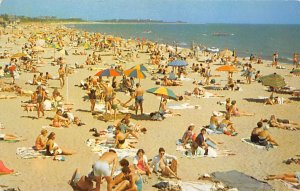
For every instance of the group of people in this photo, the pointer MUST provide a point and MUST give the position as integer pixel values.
(130, 177)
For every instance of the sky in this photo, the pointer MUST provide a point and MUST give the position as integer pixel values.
(191, 11)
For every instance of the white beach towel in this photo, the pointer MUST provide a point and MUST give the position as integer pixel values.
(248, 141)
(29, 153)
(291, 186)
(182, 106)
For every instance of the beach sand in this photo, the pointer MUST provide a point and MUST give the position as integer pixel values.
(46, 174)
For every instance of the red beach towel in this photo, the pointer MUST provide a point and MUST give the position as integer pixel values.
(4, 169)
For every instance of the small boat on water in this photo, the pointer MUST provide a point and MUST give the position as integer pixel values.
(221, 34)
(147, 32)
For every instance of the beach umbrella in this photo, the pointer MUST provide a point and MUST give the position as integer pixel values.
(296, 72)
(273, 80)
(108, 73)
(163, 92)
(19, 55)
(135, 73)
(226, 53)
(140, 67)
(178, 63)
(227, 68)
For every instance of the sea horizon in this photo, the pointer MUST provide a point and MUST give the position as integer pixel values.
(261, 40)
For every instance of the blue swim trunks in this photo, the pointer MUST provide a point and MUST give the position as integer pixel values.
(139, 99)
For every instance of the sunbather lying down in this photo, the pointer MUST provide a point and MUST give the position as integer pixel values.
(293, 177)
(7, 97)
(9, 137)
(282, 123)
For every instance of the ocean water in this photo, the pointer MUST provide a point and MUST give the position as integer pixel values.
(261, 40)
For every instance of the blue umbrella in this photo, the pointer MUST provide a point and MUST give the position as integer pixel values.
(178, 63)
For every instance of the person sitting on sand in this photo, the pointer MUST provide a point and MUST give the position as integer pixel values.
(261, 136)
(165, 163)
(120, 177)
(189, 135)
(255, 133)
(163, 109)
(167, 82)
(132, 181)
(52, 148)
(126, 126)
(226, 126)
(234, 111)
(270, 100)
(293, 177)
(121, 141)
(40, 143)
(283, 123)
(230, 83)
(101, 169)
(140, 163)
(203, 141)
(214, 121)
(59, 120)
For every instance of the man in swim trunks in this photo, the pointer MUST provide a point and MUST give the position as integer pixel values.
(139, 92)
(108, 91)
(101, 169)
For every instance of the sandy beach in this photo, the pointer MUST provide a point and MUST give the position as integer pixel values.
(48, 174)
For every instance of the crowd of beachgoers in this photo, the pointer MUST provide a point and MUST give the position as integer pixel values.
(113, 102)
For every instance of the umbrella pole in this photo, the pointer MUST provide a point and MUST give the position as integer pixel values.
(54, 55)
(160, 102)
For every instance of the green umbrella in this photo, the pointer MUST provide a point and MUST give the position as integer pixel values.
(163, 92)
(273, 80)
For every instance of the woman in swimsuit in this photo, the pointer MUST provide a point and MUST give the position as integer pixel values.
(92, 97)
(52, 148)
(132, 181)
(234, 111)
(120, 140)
(140, 163)
(40, 142)
(59, 120)
(226, 126)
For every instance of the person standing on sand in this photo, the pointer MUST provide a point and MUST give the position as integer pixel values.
(61, 74)
(207, 75)
(139, 92)
(108, 91)
(296, 59)
(101, 169)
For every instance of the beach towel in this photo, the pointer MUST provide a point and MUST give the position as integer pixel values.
(103, 146)
(199, 186)
(212, 153)
(30, 153)
(248, 141)
(241, 181)
(4, 169)
(182, 106)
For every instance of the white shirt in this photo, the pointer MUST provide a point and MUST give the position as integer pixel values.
(156, 159)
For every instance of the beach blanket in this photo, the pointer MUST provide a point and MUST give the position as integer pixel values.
(4, 169)
(29, 153)
(212, 153)
(104, 145)
(248, 141)
(241, 181)
(182, 106)
(198, 186)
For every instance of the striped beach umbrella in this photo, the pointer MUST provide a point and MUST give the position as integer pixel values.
(273, 80)
(108, 72)
(135, 73)
(163, 91)
(140, 67)
(178, 63)
(227, 68)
